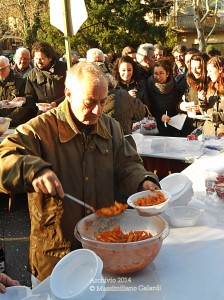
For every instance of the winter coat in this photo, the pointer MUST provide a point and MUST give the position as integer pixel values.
(89, 171)
(166, 98)
(141, 93)
(46, 86)
(124, 108)
(8, 88)
(213, 105)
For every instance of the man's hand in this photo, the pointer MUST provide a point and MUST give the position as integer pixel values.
(6, 281)
(149, 185)
(47, 182)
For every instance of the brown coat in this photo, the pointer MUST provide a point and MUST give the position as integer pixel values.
(52, 140)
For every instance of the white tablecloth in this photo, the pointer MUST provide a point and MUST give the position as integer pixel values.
(166, 147)
(190, 266)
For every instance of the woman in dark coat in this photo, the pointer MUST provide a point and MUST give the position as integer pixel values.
(127, 77)
(164, 99)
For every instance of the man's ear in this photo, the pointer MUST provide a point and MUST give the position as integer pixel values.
(68, 94)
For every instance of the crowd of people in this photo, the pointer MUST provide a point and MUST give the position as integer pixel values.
(79, 146)
(39, 77)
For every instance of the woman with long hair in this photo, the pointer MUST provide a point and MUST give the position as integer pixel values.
(212, 101)
(127, 77)
(196, 81)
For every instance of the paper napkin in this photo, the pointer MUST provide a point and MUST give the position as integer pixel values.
(178, 121)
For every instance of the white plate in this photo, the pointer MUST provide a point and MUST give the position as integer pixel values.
(16, 103)
(202, 117)
(174, 183)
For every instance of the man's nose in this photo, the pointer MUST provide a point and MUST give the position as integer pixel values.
(97, 110)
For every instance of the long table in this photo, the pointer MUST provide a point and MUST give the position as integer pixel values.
(190, 265)
(165, 155)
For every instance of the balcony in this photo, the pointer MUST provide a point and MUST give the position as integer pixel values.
(185, 23)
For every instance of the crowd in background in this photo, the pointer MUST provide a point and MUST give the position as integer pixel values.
(139, 81)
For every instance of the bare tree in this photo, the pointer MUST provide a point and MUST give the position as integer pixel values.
(204, 9)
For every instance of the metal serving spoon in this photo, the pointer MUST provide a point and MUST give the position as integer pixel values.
(98, 212)
(80, 202)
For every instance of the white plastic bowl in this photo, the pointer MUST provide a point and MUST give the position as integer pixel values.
(74, 274)
(16, 293)
(174, 183)
(182, 216)
(148, 211)
(43, 106)
(44, 296)
(4, 124)
(180, 188)
(182, 198)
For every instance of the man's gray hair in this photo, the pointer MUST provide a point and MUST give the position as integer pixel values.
(21, 50)
(95, 55)
(143, 49)
(79, 72)
(4, 60)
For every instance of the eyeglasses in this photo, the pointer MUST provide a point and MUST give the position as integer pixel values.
(159, 74)
(3, 69)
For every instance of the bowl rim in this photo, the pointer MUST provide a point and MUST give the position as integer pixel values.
(154, 239)
(6, 118)
(160, 205)
(190, 208)
(73, 253)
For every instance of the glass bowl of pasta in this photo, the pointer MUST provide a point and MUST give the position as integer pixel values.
(149, 203)
(126, 243)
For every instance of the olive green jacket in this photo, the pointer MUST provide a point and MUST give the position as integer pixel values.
(89, 171)
(10, 87)
(46, 86)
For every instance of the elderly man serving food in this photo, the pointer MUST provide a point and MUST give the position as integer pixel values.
(74, 149)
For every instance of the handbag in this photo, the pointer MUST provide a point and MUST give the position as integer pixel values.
(147, 126)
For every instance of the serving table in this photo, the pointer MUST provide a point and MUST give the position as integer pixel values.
(165, 155)
(190, 264)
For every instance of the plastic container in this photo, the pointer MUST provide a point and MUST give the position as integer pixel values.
(74, 274)
(43, 106)
(180, 188)
(4, 124)
(148, 211)
(16, 293)
(123, 258)
(182, 216)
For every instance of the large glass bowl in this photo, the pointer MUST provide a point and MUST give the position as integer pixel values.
(123, 258)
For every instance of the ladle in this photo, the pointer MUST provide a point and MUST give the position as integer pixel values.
(80, 202)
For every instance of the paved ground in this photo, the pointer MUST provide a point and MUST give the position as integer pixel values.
(14, 236)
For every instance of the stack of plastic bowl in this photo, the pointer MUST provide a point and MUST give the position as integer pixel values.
(16, 293)
(78, 275)
(180, 188)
